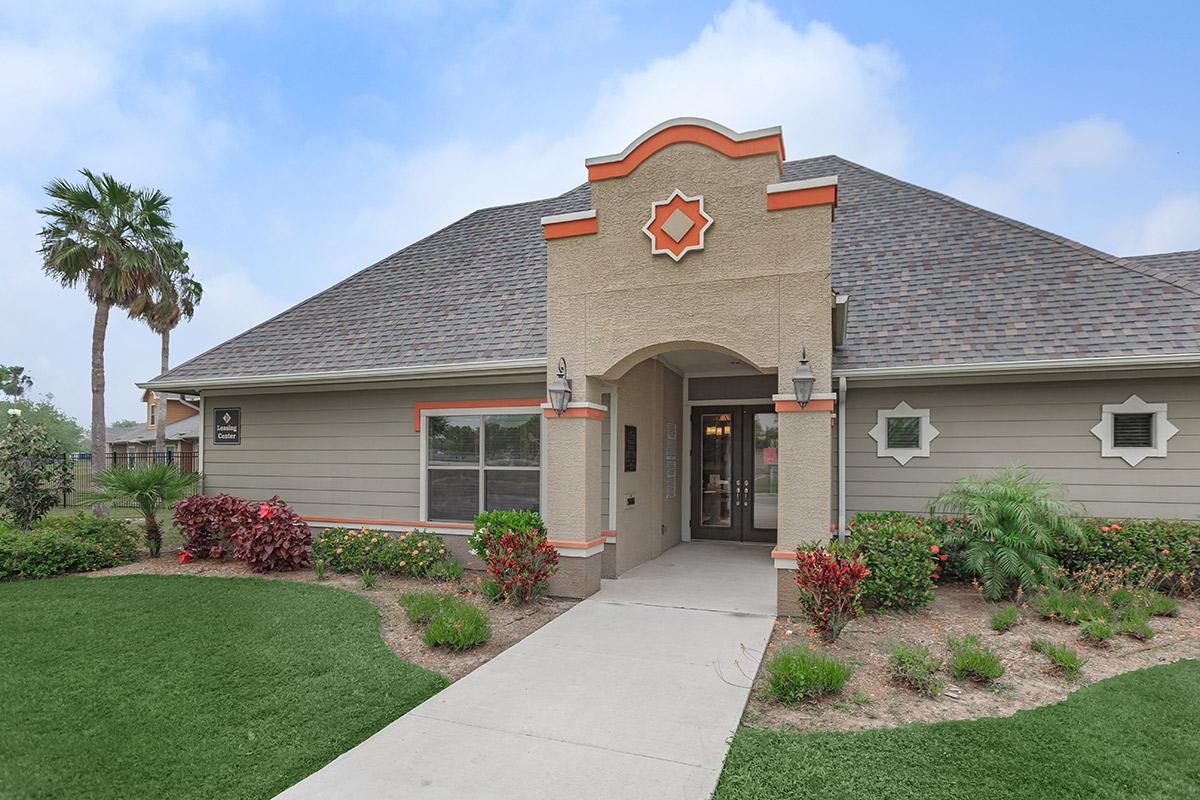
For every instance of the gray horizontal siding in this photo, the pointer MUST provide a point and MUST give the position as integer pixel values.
(334, 454)
(1045, 426)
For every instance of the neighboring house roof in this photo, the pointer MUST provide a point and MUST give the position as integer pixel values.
(188, 428)
(1183, 264)
(932, 280)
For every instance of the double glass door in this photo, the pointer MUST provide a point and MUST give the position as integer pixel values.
(735, 473)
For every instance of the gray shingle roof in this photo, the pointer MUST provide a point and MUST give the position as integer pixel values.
(1183, 264)
(932, 280)
(186, 428)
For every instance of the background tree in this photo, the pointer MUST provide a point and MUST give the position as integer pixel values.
(14, 382)
(161, 309)
(65, 432)
(34, 470)
(126, 423)
(113, 240)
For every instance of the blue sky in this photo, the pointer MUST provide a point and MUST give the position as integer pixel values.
(301, 141)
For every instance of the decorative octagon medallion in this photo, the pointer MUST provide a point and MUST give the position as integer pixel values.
(677, 225)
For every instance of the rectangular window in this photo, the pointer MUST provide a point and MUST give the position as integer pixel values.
(903, 433)
(1133, 430)
(477, 462)
(153, 412)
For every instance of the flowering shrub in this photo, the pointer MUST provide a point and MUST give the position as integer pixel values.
(830, 588)
(491, 524)
(274, 538)
(414, 552)
(34, 470)
(520, 563)
(903, 557)
(55, 545)
(1161, 554)
(210, 523)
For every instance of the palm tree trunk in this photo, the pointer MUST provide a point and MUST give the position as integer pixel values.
(99, 330)
(160, 425)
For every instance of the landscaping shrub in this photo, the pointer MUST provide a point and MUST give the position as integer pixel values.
(413, 552)
(1005, 618)
(448, 570)
(34, 470)
(275, 538)
(1159, 554)
(490, 525)
(1071, 607)
(971, 660)
(830, 588)
(902, 556)
(1096, 632)
(1013, 523)
(1134, 621)
(912, 666)
(210, 523)
(521, 562)
(57, 545)
(794, 674)
(449, 621)
(1064, 659)
(149, 488)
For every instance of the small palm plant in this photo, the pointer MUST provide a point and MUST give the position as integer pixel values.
(151, 489)
(1013, 523)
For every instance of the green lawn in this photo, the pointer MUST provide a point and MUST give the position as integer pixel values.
(188, 687)
(1133, 736)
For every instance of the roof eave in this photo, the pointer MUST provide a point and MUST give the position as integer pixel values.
(474, 369)
(984, 368)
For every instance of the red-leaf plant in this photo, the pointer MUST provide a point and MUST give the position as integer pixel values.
(521, 562)
(210, 523)
(829, 589)
(274, 537)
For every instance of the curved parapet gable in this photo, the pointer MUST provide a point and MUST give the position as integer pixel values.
(686, 129)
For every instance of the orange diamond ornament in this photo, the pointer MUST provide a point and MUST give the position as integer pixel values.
(677, 225)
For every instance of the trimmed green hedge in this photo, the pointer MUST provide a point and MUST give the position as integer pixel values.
(1161, 552)
(57, 545)
(902, 553)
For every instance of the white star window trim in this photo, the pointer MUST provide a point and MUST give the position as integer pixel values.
(903, 454)
(1163, 430)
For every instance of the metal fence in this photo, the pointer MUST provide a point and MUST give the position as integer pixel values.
(81, 470)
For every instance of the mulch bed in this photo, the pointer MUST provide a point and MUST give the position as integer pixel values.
(869, 700)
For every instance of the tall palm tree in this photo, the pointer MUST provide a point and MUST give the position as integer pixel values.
(162, 309)
(113, 240)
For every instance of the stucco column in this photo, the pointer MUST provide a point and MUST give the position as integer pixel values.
(572, 512)
(804, 491)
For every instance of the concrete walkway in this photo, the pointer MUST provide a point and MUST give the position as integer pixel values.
(631, 694)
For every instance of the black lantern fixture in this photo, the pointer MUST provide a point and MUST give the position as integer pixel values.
(560, 389)
(803, 380)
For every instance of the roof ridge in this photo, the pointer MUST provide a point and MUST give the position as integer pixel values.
(1124, 263)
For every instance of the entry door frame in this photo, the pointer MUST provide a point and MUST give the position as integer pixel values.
(686, 458)
(742, 495)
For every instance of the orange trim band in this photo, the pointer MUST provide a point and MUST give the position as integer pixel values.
(419, 407)
(801, 198)
(587, 413)
(356, 521)
(813, 405)
(771, 143)
(783, 554)
(575, 544)
(575, 227)
(608, 534)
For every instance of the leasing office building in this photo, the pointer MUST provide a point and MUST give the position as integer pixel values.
(706, 341)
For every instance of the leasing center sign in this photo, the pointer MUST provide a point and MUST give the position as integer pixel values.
(227, 426)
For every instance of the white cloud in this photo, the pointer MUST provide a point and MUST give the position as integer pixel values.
(747, 69)
(1172, 224)
(1031, 174)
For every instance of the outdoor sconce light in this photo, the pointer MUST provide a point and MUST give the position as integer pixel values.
(560, 389)
(803, 380)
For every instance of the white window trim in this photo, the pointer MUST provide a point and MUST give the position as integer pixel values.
(902, 454)
(423, 478)
(1163, 430)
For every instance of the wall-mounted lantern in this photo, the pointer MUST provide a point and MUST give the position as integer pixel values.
(560, 389)
(803, 380)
